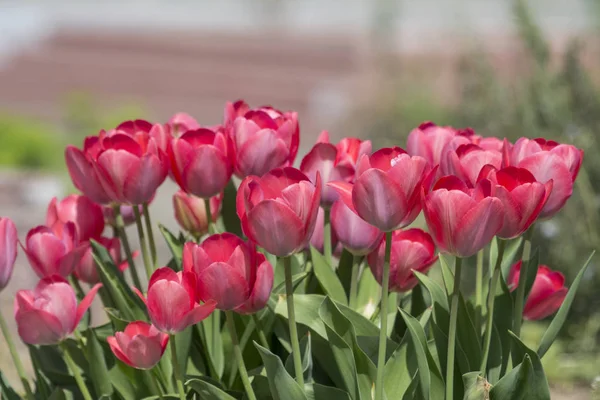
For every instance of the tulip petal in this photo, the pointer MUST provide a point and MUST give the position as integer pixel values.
(39, 327)
(168, 304)
(85, 303)
(143, 179)
(8, 250)
(84, 176)
(478, 226)
(264, 152)
(116, 349)
(207, 173)
(260, 292)
(198, 313)
(224, 284)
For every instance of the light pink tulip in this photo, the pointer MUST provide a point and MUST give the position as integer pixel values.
(190, 212)
(8, 250)
(140, 345)
(83, 212)
(467, 162)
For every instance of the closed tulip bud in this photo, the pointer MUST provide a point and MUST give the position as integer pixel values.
(87, 270)
(430, 141)
(8, 250)
(171, 301)
(83, 212)
(279, 210)
(412, 250)
(461, 220)
(467, 162)
(50, 313)
(547, 293)
(140, 345)
(190, 212)
(231, 272)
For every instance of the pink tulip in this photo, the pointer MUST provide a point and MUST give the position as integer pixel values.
(52, 254)
(317, 240)
(49, 313)
(548, 160)
(84, 213)
(262, 139)
(190, 212)
(412, 250)
(430, 141)
(124, 165)
(140, 345)
(278, 211)
(8, 250)
(200, 162)
(467, 162)
(126, 212)
(547, 293)
(181, 123)
(333, 163)
(231, 272)
(462, 221)
(234, 110)
(87, 270)
(171, 301)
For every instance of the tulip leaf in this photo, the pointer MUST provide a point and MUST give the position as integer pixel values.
(561, 316)
(344, 269)
(229, 211)
(401, 368)
(447, 274)
(208, 391)
(283, 386)
(104, 331)
(503, 320)
(511, 249)
(174, 244)
(117, 321)
(213, 343)
(476, 387)
(307, 362)
(494, 366)
(124, 379)
(531, 271)
(316, 391)
(6, 391)
(539, 385)
(327, 277)
(516, 384)
(467, 335)
(98, 372)
(369, 293)
(48, 360)
(441, 345)
(441, 313)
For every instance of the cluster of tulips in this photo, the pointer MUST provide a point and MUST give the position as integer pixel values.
(344, 206)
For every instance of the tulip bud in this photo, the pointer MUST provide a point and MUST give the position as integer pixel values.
(8, 250)
(190, 212)
(87, 270)
(83, 212)
(430, 141)
(356, 235)
(467, 162)
(140, 345)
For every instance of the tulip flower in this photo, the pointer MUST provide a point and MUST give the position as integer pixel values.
(126, 212)
(547, 293)
(462, 221)
(190, 212)
(123, 165)
(140, 345)
(87, 271)
(234, 110)
(8, 250)
(52, 254)
(171, 301)
(317, 240)
(182, 122)
(467, 162)
(279, 210)
(548, 160)
(412, 250)
(231, 272)
(333, 163)
(430, 141)
(83, 212)
(262, 139)
(200, 162)
(50, 313)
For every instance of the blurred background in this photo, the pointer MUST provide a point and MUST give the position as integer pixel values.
(368, 68)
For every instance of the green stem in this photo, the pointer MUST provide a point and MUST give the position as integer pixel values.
(327, 235)
(385, 283)
(520, 297)
(209, 221)
(354, 282)
(176, 368)
(15, 356)
(120, 229)
(289, 292)
(479, 293)
(452, 330)
(76, 374)
(489, 326)
(151, 241)
(154, 385)
(261, 334)
(143, 245)
(239, 357)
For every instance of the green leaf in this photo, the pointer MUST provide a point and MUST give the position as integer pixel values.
(503, 320)
(467, 336)
(417, 301)
(183, 341)
(124, 379)
(438, 298)
(316, 391)
(511, 251)
(538, 386)
(307, 362)
(208, 391)
(283, 386)
(561, 316)
(98, 372)
(476, 387)
(327, 277)
(400, 369)
(532, 268)
(447, 274)
(229, 212)
(369, 293)
(6, 391)
(104, 331)
(494, 366)
(117, 321)
(344, 270)
(49, 361)
(441, 345)
(515, 384)
(174, 245)
(213, 343)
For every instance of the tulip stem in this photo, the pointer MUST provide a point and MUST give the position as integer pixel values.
(452, 330)
(143, 245)
(327, 235)
(120, 229)
(151, 241)
(176, 368)
(520, 298)
(261, 334)
(15, 356)
(479, 293)
(352, 297)
(75, 370)
(209, 221)
(385, 286)
(489, 326)
(239, 357)
(289, 292)
(154, 385)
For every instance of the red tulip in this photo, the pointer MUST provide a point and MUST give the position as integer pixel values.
(87, 271)
(171, 301)
(84, 213)
(52, 254)
(412, 250)
(124, 165)
(126, 212)
(317, 240)
(190, 212)
(8, 250)
(430, 141)
(387, 188)
(50, 313)
(467, 162)
(278, 211)
(140, 345)
(200, 162)
(462, 221)
(333, 163)
(231, 272)
(547, 293)
(262, 139)
(548, 160)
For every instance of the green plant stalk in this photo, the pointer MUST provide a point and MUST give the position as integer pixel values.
(209, 221)
(520, 297)
(151, 241)
(327, 235)
(289, 292)
(489, 326)
(479, 292)
(385, 283)
(15, 356)
(120, 229)
(261, 334)
(239, 357)
(176, 368)
(154, 385)
(452, 330)
(352, 297)
(143, 245)
(76, 374)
